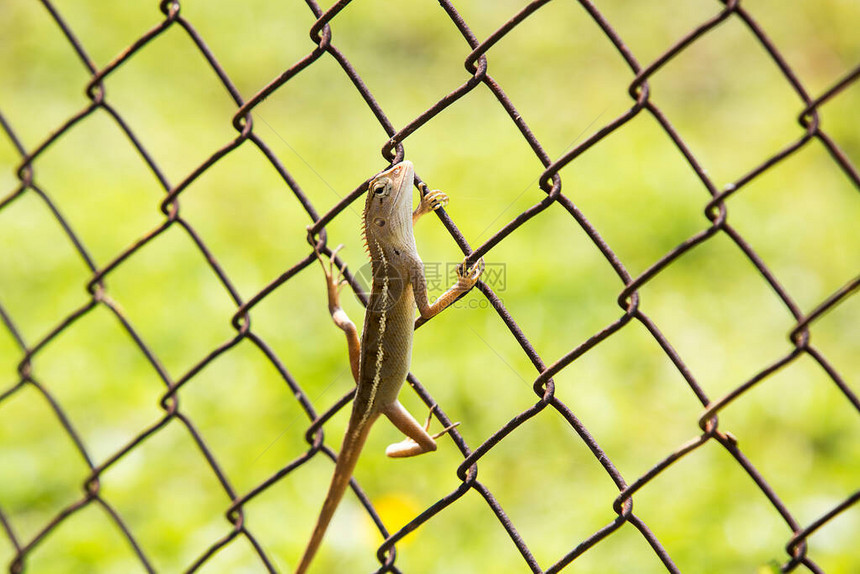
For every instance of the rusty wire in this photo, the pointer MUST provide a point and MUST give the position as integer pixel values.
(544, 386)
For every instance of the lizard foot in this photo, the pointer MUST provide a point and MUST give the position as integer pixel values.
(334, 281)
(467, 277)
(430, 419)
(410, 447)
(430, 201)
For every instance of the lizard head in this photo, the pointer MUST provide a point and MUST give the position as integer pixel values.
(388, 208)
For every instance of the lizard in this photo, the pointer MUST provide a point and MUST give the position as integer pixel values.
(380, 358)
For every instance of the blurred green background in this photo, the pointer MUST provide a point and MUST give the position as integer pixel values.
(726, 98)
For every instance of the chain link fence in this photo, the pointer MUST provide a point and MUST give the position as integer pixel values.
(35, 523)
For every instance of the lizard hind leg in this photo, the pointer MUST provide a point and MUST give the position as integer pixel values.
(418, 440)
(334, 283)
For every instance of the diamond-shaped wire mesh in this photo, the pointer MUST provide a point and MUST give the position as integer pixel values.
(125, 402)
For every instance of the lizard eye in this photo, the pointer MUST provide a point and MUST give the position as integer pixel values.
(379, 188)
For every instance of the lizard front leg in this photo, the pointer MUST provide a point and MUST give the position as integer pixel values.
(430, 201)
(466, 279)
(334, 283)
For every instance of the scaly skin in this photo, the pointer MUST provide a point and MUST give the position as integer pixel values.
(380, 359)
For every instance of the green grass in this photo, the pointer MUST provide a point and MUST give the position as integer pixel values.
(723, 95)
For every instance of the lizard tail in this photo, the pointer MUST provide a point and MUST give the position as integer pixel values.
(353, 442)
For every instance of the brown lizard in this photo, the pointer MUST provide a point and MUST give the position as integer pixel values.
(380, 358)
